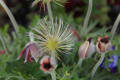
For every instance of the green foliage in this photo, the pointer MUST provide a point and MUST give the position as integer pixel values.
(13, 69)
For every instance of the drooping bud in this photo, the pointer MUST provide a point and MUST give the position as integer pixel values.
(48, 64)
(31, 51)
(87, 49)
(104, 45)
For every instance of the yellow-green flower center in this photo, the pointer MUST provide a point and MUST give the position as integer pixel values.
(52, 44)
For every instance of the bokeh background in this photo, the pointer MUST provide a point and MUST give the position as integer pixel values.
(72, 12)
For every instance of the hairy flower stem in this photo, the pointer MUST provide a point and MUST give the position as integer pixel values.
(53, 75)
(115, 26)
(80, 62)
(50, 11)
(15, 25)
(87, 17)
(4, 43)
(31, 36)
(97, 65)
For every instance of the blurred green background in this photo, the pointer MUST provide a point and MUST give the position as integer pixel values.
(72, 12)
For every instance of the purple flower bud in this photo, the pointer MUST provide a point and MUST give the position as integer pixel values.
(31, 51)
(104, 45)
(87, 49)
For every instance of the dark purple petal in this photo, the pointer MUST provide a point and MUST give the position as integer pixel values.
(113, 47)
(114, 70)
(114, 62)
(113, 65)
(102, 65)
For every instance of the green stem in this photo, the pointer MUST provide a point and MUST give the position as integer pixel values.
(15, 25)
(97, 65)
(115, 26)
(87, 17)
(53, 75)
(80, 62)
(49, 11)
(4, 43)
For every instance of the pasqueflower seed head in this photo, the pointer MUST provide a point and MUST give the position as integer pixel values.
(53, 37)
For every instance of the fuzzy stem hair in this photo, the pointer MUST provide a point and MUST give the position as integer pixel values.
(49, 11)
(53, 75)
(97, 65)
(87, 17)
(80, 62)
(9, 13)
(115, 26)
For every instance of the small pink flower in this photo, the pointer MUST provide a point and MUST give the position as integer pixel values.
(75, 33)
(104, 44)
(2, 52)
(31, 51)
(87, 49)
(48, 64)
